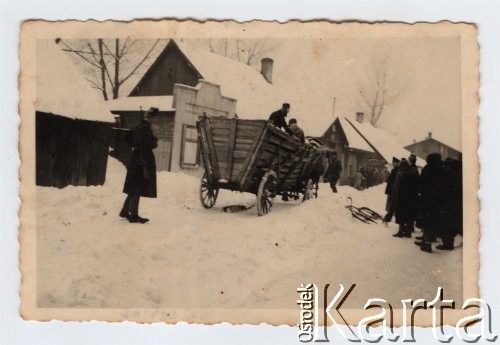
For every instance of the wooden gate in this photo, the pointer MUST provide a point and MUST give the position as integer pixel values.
(162, 155)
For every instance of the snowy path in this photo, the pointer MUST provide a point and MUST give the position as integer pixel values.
(88, 257)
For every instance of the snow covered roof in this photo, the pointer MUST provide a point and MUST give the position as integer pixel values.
(163, 103)
(454, 147)
(354, 139)
(237, 80)
(62, 89)
(383, 142)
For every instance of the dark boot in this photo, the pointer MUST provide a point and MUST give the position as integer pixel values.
(401, 231)
(407, 231)
(138, 219)
(124, 213)
(426, 247)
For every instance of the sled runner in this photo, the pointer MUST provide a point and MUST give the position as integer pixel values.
(255, 157)
(364, 214)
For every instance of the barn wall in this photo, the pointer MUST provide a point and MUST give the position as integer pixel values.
(70, 152)
(170, 68)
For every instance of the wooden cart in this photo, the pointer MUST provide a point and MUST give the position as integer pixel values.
(254, 156)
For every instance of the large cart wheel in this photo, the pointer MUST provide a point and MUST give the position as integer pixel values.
(208, 193)
(309, 190)
(266, 193)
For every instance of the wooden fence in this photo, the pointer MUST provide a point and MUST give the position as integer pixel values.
(70, 151)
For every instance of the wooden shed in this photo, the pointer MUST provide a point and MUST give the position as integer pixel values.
(70, 151)
(73, 125)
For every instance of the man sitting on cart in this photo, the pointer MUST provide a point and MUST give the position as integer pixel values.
(297, 132)
(278, 118)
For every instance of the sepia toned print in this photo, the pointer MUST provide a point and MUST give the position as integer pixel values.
(201, 172)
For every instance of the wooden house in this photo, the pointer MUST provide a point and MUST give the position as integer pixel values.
(431, 145)
(73, 126)
(361, 145)
(185, 83)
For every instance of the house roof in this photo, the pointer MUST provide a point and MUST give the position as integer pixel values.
(354, 139)
(236, 79)
(61, 88)
(432, 138)
(256, 98)
(143, 103)
(382, 142)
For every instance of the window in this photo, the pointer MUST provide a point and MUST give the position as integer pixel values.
(189, 153)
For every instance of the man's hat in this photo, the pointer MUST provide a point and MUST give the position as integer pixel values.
(153, 111)
(286, 105)
(412, 158)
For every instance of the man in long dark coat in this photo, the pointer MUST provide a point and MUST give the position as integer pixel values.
(452, 204)
(141, 169)
(432, 198)
(412, 160)
(391, 179)
(277, 118)
(405, 196)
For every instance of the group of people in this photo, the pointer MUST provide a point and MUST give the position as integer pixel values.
(430, 200)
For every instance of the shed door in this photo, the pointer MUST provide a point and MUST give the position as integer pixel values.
(162, 155)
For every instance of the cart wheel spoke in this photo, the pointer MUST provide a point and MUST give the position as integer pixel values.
(266, 192)
(208, 193)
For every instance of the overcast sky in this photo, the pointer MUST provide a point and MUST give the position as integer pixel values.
(315, 71)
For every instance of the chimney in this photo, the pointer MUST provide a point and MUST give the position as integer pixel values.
(360, 116)
(430, 135)
(266, 69)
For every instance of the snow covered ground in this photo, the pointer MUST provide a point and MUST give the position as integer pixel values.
(187, 256)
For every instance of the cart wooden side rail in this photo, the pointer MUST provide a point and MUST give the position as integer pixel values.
(253, 156)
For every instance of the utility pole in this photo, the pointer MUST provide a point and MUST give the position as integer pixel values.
(333, 111)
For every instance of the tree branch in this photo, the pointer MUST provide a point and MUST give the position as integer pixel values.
(140, 63)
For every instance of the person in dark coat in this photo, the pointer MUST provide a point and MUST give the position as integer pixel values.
(452, 224)
(412, 159)
(278, 118)
(317, 172)
(297, 132)
(141, 169)
(404, 198)
(333, 171)
(388, 189)
(432, 196)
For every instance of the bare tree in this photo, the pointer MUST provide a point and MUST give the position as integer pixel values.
(381, 88)
(109, 63)
(247, 51)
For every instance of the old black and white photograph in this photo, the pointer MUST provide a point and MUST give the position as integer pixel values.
(203, 176)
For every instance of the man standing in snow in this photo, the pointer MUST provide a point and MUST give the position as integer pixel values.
(278, 118)
(333, 171)
(432, 196)
(388, 189)
(141, 169)
(452, 224)
(297, 132)
(404, 198)
(416, 176)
